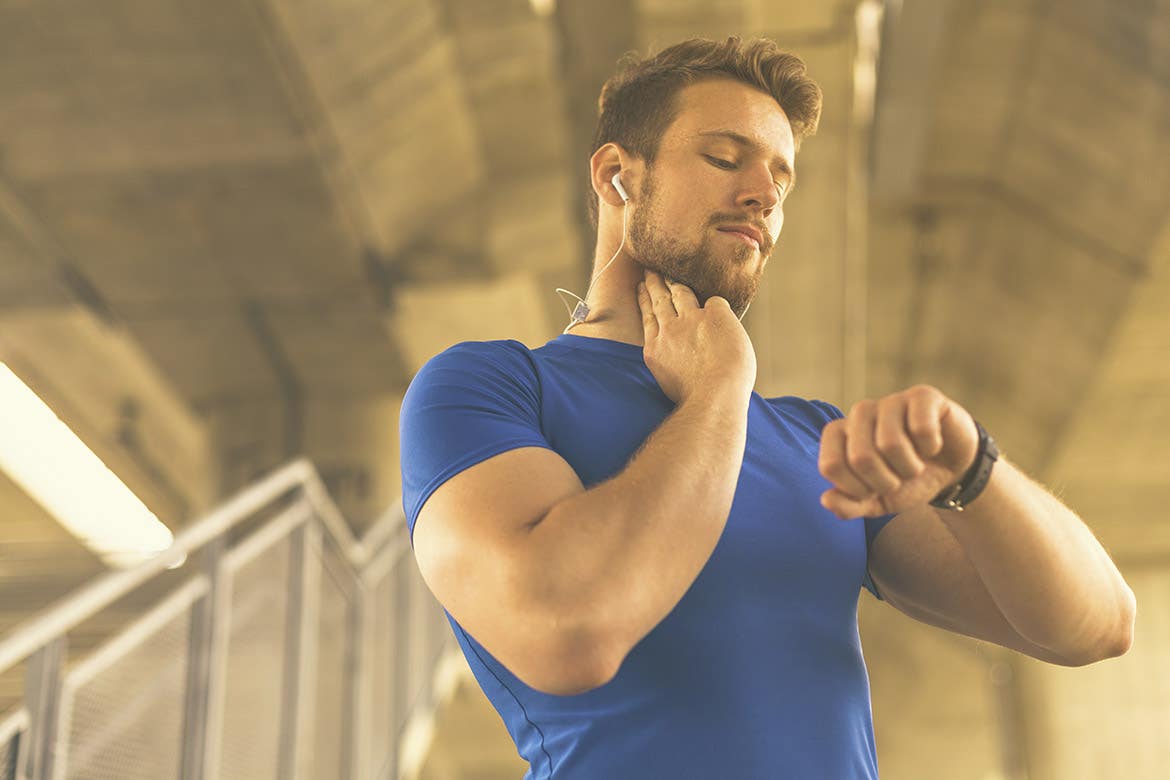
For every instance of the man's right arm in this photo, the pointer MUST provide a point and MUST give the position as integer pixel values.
(558, 582)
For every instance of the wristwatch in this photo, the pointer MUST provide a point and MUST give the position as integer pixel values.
(967, 489)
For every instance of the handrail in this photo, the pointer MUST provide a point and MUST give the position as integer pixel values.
(358, 551)
(26, 638)
(11, 723)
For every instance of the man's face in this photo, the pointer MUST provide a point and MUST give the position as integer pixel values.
(725, 164)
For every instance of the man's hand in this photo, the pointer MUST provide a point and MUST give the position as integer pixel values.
(691, 348)
(895, 453)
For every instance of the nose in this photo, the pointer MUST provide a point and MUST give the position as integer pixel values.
(758, 191)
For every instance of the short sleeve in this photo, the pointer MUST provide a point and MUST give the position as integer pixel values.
(873, 525)
(468, 403)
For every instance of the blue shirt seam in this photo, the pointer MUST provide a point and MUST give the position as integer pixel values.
(515, 698)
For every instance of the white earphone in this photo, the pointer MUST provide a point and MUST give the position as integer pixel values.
(617, 185)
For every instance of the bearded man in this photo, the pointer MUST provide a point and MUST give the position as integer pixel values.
(653, 570)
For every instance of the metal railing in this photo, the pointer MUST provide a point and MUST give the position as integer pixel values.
(290, 650)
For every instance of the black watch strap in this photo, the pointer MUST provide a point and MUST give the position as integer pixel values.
(967, 489)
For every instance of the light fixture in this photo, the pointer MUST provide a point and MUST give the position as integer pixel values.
(50, 463)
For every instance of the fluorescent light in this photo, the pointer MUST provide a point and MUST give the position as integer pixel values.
(57, 469)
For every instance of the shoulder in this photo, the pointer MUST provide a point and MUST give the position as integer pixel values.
(501, 354)
(471, 401)
(504, 360)
(493, 378)
(809, 412)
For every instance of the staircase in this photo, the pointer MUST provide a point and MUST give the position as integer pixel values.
(281, 647)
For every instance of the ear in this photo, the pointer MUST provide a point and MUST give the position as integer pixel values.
(605, 162)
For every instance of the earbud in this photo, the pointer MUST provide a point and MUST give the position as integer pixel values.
(617, 185)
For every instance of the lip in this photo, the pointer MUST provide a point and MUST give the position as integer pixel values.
(746, 231)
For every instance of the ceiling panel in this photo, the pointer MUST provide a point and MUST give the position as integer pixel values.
(1085, 125)
(207, 357)
(340, 348)
(210, 234)
(387, 104)
(26, 280)
(122, 84)
(988, 63)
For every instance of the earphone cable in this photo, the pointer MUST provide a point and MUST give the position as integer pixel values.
(581, 312)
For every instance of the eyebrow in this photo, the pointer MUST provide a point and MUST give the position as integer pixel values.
(751, 144)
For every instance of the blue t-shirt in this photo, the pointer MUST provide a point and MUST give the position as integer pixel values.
(757, 672)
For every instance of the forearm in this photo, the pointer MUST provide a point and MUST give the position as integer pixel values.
(620, 556)
(1047, 573)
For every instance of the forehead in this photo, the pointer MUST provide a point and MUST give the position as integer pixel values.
(725, 104)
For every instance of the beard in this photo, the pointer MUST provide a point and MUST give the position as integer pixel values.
(710, 267)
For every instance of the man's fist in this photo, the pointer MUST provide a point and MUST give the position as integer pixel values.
(896, 452)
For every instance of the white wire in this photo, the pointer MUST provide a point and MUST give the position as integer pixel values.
(581, 312)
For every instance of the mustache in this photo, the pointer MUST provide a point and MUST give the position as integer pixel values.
(722, 220)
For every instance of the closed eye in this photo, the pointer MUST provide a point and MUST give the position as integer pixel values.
(719, 162)
(727, 165)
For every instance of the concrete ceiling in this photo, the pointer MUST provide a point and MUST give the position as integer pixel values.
(282, 209)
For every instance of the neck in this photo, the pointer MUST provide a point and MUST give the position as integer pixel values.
(613, 301)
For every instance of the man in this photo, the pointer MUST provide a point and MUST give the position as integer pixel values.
(654, 571)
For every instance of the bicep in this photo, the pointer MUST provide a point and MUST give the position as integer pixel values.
(921, 569)
(469, 541)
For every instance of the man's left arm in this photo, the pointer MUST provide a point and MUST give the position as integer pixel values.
(1015, 555)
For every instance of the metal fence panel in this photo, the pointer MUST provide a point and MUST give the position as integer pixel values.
(250, 734)
(418, 641)
(13, 738)
(8, 758)
(403, 691)
(122, 710)
(382, 725)
(328, 758)
(363, 634)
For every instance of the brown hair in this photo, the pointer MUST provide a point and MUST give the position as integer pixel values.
(638, 104)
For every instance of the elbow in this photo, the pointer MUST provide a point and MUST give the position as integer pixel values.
(569, 671)
(592, 673)
(1123, 637)
(1119, 640)
(567, 654)
(573, 643)
(1109, 649)
(570, 682)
